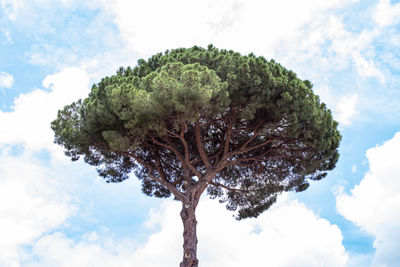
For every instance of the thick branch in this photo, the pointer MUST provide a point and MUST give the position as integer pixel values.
(248, 149)
(168, 146)
(184, 143)
(159, 166)
(227, 140)
(200, 146)
(184, 161)
(255, 134)
(196, 161)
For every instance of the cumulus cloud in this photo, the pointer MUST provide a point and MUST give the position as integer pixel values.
(29, 122)
(36, 197)
(289, 234)
(59, 250)
(32, 204)
(288, 226)
(373, 204)
(33, 201)
(6, 80)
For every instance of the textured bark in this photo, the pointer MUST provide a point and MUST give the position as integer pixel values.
(189, 235)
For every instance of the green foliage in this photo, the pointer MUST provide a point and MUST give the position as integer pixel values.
(279, 134)
(185, 91)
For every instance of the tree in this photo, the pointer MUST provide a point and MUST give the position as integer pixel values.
(188, 120)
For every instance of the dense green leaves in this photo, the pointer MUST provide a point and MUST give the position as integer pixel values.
(245, 126)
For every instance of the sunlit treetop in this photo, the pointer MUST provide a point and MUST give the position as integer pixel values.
(241, 127)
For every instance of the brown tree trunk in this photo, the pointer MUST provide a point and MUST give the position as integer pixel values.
(189, 235)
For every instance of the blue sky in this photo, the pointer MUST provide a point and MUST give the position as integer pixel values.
(58, 213)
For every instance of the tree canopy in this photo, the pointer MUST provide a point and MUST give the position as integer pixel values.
(239, 126)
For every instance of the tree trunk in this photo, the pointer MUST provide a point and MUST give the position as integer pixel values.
(189, 235)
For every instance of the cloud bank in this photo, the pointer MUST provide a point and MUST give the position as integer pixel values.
(289, 234)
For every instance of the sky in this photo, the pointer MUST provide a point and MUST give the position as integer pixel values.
(54, 212)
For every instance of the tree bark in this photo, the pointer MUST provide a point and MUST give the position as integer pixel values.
(189, 235)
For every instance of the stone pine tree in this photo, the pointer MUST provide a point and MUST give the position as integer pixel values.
(186, 121)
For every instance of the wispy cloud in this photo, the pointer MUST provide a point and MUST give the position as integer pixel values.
(354, 168)
(7, 36)
(386, 14)
(6, 80)
(10, 8)
(367, 68)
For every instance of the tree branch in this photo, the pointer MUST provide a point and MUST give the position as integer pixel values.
(227, 140)
(179, 195)
(159, 166)
(200, 147)
(183, 160)
(184, 143)
(245, 150)
(255, 134)
(261, 158)
(232, 189)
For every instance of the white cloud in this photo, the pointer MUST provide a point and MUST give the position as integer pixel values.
(6, 80)
(287, 226)
(288, 235)
(15, 9)
(346, 109)
(386, 14)
(373, 204)
(29, 123)
(354, 168)
(7, 35)
(31, 204)
(10, 8)
(59, 250)
(366, 68)
(327, 45)
(67, 38)
(251, 26)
